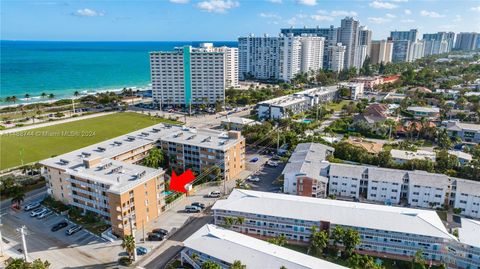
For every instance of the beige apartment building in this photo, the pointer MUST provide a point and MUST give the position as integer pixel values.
(105, 179)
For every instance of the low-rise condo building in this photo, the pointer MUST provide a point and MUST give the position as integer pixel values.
(224, 247)
(465, 197)
(355, 89)
(419, 112)
(467, 250)
(468, 132)
(284, 106)
(385, 231)
(237, 123)
(105, 179)
(303, 173)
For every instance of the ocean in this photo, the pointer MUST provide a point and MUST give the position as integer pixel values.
(61, 68)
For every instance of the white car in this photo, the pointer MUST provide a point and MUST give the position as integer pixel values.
(45, 214)
(31, 206)
(254, 179)
(214, 194)
(38, 212)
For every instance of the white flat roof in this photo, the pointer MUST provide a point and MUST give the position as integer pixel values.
(424, 109)
(371, 216)
(411, 155)
(469, 233)
(230, 246)
(307, 160)
(461, 154)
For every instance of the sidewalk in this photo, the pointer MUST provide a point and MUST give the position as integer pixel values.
(50, 123)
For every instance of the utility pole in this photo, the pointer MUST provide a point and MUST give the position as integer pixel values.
(278, 141)
(143, 230)
(24, 243)
(134, 242)
(73, 105)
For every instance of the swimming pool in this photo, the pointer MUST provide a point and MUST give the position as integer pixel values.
(167, 193)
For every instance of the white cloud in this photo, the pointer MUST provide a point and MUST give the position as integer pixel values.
(378, 20)
(87, 12)
(384, 5)
(342, 13)
(398, 1)
(408, 12)
(269, 15)
(407, 20)
(457, 18)
(431, 14)
(476, 9)
(275, 1)
(292, 21)
(307, 2)
(390, 16)
(217, 6)
(321, 18)
(179, 1)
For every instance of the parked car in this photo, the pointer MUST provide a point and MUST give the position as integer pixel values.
(62, 224)
(142, 250)
(199, 205)
(37, 212)
(272, 164)
(276, 158)
(73, 230)
(254, 179)
(31, 206)
(45, 214)
(191, 209)
(254, 160)
(154, 237)
(160, 231)
(214, 194)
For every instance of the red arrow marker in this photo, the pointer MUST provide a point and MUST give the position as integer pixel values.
(177, 183)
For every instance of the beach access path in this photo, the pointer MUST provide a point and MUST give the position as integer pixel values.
(50, 123)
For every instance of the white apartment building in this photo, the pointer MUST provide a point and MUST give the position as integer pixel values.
(281, 107)
(389, 186)
(427, 190)
(188, 76)
(385, 231)
(356, 89)
(465, 195)
(210, 242)
(416, 51)
(312, 53)
(258, 57)
(305, 172)
(468, 248)
(336, 57)
(290, 48)
(230, 62)
(361, 53)
(279, 58)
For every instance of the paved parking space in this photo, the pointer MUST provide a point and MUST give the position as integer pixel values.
(80, 250)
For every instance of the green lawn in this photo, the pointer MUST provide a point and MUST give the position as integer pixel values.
(40, 143)
(337, 106)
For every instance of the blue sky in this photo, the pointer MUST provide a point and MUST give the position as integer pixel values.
(160, 20)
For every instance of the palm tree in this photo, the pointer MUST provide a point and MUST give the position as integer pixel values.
(229, 221)
(337, 235)
(128, 244)
(237, 265)
(43, 95)
(319, 241)
(280, 240)
(18, 197)
(351, 239)
(155, 158)
(418, 261)
(239, 220)
(27, 96)
(51, 96)
(76, 94)
(13, 99)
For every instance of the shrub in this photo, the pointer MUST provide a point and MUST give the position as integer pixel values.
(125, 261)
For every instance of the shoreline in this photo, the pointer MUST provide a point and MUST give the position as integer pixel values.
(39, 99)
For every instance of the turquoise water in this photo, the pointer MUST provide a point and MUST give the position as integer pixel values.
(167, 193)
(61, 68)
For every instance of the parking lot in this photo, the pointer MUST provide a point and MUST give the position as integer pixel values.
(79, 250)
